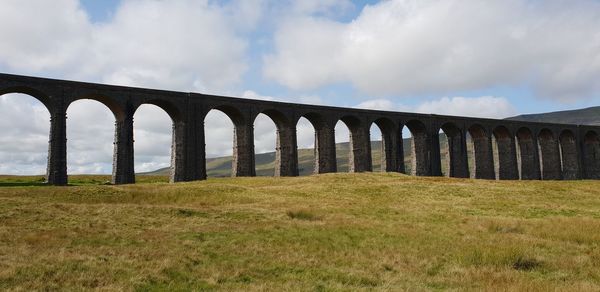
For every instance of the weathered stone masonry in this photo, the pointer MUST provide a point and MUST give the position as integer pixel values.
(525, 150)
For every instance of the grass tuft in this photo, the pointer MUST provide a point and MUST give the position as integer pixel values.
(303, 215)
(524, 263)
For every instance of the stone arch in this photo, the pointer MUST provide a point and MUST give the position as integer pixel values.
(420, 148)
(42, 97)
(549, 155)
(113, 105)
(243, 141)
(507, 160)
(390, 139)
(286, 149)
(529, 165)
(591, 155)
(483, 160)
(359, 158)
(568, 154)
(324, 147)
(456, 158)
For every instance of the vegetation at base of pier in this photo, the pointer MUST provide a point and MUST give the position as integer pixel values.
(367, 231)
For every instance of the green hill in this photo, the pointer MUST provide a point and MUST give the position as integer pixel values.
(586, 116)
(265, 162)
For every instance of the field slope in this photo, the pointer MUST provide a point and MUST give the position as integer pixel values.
(327, 232)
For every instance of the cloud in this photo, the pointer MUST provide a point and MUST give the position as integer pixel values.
(482, 107)
(406, 47)
(183, 44)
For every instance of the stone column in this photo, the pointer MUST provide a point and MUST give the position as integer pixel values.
(123, 158)
(484, 159)
(286, 156)
(421, 154)
(389, 151)
(570, 157)
(195, 145)
(178, 153)
(591, 156)
(530, 162)
(401, 167)
(243, 149)
(360, 150)
(507, 159)
(325, 149)
(550, 159)
(457, 155)
(188, 155)
(435, 158)
(57, 147)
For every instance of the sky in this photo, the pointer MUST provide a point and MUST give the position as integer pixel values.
(494, 59)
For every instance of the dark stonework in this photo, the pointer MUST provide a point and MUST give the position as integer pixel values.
(528, 150)
(556, 151)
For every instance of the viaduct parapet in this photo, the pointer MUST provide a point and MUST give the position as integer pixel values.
(525, 150)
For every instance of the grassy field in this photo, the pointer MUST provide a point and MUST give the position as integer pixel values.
(328, 232)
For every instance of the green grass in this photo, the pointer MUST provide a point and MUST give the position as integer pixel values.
(327, 233)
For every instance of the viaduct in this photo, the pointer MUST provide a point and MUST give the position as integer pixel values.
(525, 150)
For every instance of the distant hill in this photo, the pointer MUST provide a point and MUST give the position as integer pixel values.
(586, 116)
(265, 162)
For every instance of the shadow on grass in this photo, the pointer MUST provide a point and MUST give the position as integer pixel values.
(22, 184)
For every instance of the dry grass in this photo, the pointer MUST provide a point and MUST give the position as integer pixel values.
(331, 232)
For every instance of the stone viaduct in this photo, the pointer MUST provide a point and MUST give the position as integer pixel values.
(525, 150)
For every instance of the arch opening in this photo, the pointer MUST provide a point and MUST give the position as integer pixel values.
(153, 138)
(384, 152)
(453, 152)
(306, 138)
(342, 146)
(90, 137)
(25, 127)
(219, 132)
(568, 155)
(265, 145)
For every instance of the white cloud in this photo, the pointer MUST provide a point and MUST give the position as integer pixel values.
(483, 107)
(378, 104)
(404, 47)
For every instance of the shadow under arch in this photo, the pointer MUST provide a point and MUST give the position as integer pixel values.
(527, 152)
(456, 148)
(549, 155)
(390, 144)
(420, 148)
(591, 155)
(568, 154)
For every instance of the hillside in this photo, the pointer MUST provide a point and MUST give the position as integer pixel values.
(335, 232)
(265, 162)
(586, 116)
